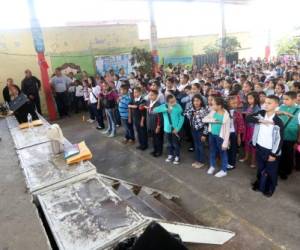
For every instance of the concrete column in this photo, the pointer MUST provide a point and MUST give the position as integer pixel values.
(268, 46)
(153, 38)
(222, 56)
(38, 40)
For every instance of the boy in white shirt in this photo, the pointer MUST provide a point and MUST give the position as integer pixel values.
(267, 139)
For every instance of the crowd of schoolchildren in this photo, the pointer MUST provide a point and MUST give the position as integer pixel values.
(245, 112)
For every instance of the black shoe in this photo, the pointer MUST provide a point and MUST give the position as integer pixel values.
(100, 128)
(157, 154)
(268, 194)
(153, 153)
(283, 177)
(255, 186)
(141, 148)
(191, 149)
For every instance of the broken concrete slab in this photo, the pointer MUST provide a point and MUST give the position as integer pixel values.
(44, 171)
(88, 215)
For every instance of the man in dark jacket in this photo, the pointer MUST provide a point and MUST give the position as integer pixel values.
(6, 95)
(31, 86)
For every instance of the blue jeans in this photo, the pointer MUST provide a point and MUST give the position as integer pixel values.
(215, 149)
(117, 117)
(96, 114)
(111, 123)
(173, 144)
(129, 131)
(199, 149)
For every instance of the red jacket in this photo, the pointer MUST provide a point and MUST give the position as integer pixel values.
(238, 122)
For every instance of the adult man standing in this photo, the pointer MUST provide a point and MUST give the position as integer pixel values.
(6, 95)
(31, 86)
(60, 85)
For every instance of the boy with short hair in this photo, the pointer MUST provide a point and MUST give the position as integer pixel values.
(154, 123)
(125, 115)
(279, 91)
(290, 116)
(262, 99)
(139, 114)
(267, 139)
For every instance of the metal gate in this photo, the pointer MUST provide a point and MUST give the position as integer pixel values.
(200, 60)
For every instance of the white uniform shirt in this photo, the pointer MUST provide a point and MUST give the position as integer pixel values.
(181, 87)
(79, 91)
(265, 135)
(94, 92)
(232, 129)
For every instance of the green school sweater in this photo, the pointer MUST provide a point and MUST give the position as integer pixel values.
(177, 118)
(290, 132)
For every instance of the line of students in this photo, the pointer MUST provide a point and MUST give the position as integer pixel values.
(226, 114)
(219, 123)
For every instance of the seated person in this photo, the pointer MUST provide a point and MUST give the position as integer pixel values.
(22, 112)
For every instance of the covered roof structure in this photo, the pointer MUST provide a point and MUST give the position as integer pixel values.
(237, 2)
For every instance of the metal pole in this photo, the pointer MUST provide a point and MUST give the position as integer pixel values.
(39, 46)
(222, 56)
(153, 38)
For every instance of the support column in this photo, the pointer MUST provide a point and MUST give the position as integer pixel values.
(268, 46)
(153, 39)
(222, 56)
(39, 46)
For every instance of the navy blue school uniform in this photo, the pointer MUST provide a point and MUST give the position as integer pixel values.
(155, 120)
(137, 115)
(267, 140)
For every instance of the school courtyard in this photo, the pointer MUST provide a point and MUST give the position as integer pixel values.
(227, 203)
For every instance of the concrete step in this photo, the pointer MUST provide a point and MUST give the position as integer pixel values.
(133, 200)
(160, 208)
(178, 209)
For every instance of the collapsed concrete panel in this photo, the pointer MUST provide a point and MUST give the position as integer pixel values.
(88, 215)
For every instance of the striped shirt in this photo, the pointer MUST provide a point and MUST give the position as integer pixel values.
(123, 106)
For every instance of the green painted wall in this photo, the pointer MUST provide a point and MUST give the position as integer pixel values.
(85, 62)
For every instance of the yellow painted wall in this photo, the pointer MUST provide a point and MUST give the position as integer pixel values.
(64, 43)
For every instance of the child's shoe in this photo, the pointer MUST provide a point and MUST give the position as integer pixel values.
(105, 132)
(131, 142)
(243, 160)
(176, 160)
(170, 158)
(197, 165)
(221, 174)
(229, 167)
(90, 120)
(211, 170)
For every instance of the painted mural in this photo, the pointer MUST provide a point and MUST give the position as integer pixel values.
(117, 62)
